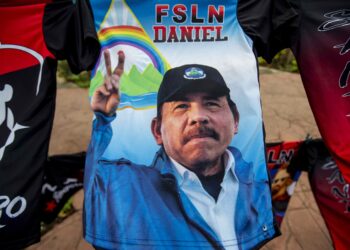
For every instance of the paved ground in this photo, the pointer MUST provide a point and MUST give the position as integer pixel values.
(287, 116)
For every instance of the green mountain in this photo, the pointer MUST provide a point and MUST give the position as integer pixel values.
(134, 82)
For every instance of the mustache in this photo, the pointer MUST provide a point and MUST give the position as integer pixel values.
(199, 132)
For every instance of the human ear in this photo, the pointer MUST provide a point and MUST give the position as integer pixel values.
(235, 127)
(155, 128)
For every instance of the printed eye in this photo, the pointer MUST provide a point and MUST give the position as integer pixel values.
(181, 106)
(212, 104)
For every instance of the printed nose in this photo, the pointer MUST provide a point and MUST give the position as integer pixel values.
(198, 115)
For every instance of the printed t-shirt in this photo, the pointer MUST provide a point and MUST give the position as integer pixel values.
(226, 35)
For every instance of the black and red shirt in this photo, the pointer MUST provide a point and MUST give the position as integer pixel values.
(33, 36)
(321, 44)
(320, 41)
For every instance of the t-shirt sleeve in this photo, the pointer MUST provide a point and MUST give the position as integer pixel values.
(70, 33)
(267, 23)
(285, 27)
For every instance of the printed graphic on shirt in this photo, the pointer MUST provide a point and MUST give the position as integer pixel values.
(14, 86)
(166, 36)
(20, 92)
(335, 20)
(279, 157)
(325, 71)
(9, 122)
(32, 37)
(11, 208)
(141, 83)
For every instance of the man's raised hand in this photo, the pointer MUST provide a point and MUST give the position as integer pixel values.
(106, 97)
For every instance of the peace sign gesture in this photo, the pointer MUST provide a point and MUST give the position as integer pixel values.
(106, 98)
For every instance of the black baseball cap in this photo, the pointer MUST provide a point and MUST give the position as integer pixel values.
(191, 78)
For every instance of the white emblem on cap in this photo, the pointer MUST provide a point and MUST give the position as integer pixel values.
(194, 73)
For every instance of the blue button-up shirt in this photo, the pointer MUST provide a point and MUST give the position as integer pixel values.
(218, 214)
(130, 206)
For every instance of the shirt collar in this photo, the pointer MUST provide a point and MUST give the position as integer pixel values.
(182, 174)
